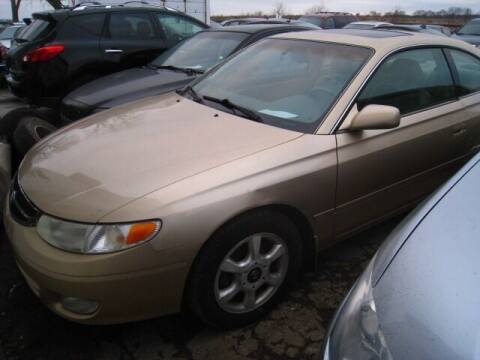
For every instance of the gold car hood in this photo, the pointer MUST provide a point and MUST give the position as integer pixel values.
(97, 165)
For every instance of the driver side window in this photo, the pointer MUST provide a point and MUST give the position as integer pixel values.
(411, 81)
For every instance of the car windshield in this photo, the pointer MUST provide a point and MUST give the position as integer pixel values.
(202, 51)
(286, 83)
(9, 32)
(471, 28)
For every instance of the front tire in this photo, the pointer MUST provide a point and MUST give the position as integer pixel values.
(244, 269)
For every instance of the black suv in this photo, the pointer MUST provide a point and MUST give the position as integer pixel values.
(62, 50)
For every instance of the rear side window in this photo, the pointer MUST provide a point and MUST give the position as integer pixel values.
(78, 27)
(410, 81)
(468, 72)
(177, 28)
(36, 30)
(124, 26)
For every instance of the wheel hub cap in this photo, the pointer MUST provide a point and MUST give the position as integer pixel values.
(251, 273)
(254, 275)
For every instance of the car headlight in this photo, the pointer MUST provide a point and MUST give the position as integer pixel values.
(355, 332)
(95, 238)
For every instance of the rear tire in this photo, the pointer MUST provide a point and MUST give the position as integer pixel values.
(258, 278)
(30, 131)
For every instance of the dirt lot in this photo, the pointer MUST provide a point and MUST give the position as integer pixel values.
(295, 330)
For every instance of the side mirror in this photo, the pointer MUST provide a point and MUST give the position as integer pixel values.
(376, 117)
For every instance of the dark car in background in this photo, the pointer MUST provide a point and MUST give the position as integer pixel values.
(240, 21)
(366, 25)
(329, 20)
(6, 37)
(61, 50)
(470, 32)
(422, 28)
(172, 70)
(419, 297)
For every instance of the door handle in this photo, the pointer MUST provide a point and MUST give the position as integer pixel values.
(113, 51)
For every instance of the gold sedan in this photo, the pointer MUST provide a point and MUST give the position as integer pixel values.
(214, 199)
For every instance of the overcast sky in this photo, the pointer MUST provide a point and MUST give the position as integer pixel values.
(231, 7)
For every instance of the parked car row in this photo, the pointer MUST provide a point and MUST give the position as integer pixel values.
(92, 64)
(62, 50)
(207, 176)
(214, 198)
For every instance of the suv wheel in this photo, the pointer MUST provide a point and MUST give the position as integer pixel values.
(243, 271)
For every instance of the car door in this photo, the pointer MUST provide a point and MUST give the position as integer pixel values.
(382, 171)
(176, 28)
(82, 54)
(131, 39)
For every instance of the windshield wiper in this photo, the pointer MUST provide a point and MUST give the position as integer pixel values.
(190, 91)
(187, 71)
(250, 114)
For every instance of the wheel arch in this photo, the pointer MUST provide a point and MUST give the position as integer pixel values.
(299, 219)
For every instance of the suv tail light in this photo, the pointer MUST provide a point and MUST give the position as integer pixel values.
(43, 54)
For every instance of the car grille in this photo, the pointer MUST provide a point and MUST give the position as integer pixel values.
(21, 208)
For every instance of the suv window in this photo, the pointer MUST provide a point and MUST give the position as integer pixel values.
(82, 25)
(131, 26)
(411, 80)
(35, 30)
(468, 71)
(177, 28)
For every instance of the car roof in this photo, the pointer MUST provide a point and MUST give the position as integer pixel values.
(79, 10)
(369, 22)
(378, 39)
(256, 28)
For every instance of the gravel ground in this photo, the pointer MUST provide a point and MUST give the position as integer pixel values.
(294, 330)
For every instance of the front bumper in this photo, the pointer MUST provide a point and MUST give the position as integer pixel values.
(128, 286)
